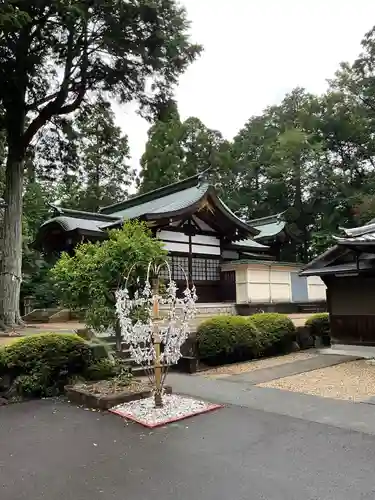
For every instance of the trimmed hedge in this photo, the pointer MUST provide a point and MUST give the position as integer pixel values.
(40, 365)
(319, 324)
(227, 338)
(277, 332)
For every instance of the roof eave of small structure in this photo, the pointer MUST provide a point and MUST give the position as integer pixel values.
(80, 214)
(342, 269)
(265, 262)
(269, 226)
(322, 259)
(73, 224)
(249, 244)
(359, 231)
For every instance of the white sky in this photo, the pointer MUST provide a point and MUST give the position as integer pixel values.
(255, 52)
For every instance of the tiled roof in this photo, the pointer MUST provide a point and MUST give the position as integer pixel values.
(250, 244)
(72, 223)
(268, 226)
(169, 203)
(364, 238)
(348, 267)
(360, 238)
(359, 231)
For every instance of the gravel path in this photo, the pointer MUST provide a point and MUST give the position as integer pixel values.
(352, 381)
(249, 366)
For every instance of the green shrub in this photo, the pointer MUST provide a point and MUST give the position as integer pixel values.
(33, 385)
(227, 338)
(277, 331)
(40, 365)
(318, 324)
(101, 369)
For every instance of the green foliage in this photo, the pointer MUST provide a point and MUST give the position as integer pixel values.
(40, 365)
(101, 369)
(228, 338)
(35, 270)
(53, 56)
(101, 174)
(318, 324)
(89, 278)
(176, 150)
(277, 330)
(233, 338)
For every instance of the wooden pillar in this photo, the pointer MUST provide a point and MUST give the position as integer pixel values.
(190, 257)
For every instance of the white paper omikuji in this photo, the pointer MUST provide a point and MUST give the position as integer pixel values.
(175, 407)
(173, 330)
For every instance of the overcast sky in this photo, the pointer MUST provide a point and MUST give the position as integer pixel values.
(255, 51)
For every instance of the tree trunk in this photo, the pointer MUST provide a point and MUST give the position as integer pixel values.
(11, 245)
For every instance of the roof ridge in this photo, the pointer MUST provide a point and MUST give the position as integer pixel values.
(81, 214)
(267, 219)
(192, 181)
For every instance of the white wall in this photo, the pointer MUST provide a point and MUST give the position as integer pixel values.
(179, 242)
(316, 288)
(270, 283)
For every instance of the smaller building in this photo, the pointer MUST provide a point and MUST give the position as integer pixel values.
(348, 270)
(228, 259)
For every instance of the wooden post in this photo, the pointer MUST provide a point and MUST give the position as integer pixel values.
(157, 342)
(190, 257)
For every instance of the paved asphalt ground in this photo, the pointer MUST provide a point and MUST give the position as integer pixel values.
(56, 451)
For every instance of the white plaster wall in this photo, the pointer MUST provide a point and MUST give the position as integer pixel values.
(241, 285)
(316, 288)
(269, 283)
(205, 250)
(173, 236)
(179, 242)
(172, 246)
(204, 239)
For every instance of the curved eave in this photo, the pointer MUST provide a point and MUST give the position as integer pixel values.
(69, 229)
(359, 231)
(360, 246)
(194, 207)
(231, 215)
(267, 233)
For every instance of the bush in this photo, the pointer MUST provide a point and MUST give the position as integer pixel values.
(87, 279)
(277, 332)
(102, 369)
(319, 324)
(40, 365)
(227, 338)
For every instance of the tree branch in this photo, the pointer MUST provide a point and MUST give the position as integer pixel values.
(41, 101)
(54, 106)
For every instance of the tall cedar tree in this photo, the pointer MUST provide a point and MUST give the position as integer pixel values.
(52, 54)
(102, 173)
(176, 150)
